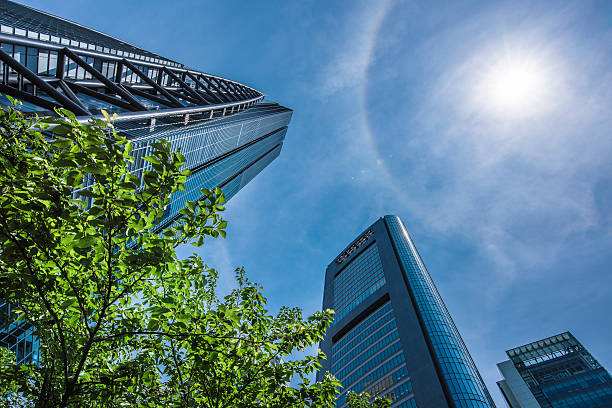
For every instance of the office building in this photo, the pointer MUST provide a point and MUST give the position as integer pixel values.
(556, 372)
(226, 130)
(392, 335)
(17, 335)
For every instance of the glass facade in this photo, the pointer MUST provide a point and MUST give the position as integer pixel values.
(461, 375)
(560, 373)
(226, 130)
(17, 336)
(217, 153)
(392, 335)
(357, 281)
(369, 356)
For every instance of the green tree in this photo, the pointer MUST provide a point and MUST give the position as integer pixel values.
(364, 400)
(121, 320)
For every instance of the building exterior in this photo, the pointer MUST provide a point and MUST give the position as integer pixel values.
(556, 372)
(226, 130)
(392, 334)
(17, 336)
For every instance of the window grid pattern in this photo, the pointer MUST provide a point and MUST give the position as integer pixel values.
(561, 373)
(372, 377)
(372, 337)
(594, 398)
(364, 329)
(400, 391)
(357, 346)
(466, 386)
(372, 362)
(215, 174)
(255, 168)
(203, 142)
(393, 379)
(411, 403)
(577, 382)
(233, 186)
(359, 279)
(366, 358)
(206, 142)
(369, 350)
(18, 337)
(371, 344)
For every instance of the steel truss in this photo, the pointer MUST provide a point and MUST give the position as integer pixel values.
(171, 91)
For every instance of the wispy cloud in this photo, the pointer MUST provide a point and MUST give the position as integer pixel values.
(352, 54)
(522, 187)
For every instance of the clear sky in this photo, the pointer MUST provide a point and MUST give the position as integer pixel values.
(484, 125)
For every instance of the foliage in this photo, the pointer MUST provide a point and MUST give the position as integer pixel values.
(364, 400)
(121, 320)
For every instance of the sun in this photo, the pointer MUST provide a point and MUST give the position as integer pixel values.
(515, 86)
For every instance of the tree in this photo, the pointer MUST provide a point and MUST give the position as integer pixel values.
(364, 400)
(121, 320)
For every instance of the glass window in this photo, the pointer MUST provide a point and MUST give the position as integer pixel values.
(43, 62)
(359, 279)
(460, 373)
(19, 54)
(52, 62)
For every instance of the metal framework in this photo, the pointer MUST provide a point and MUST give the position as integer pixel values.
(49, 62)
(50, 75)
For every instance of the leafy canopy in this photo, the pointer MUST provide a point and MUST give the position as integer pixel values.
(121, 320)
(364, 400)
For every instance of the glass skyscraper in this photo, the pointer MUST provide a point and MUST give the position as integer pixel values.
(227, 131)
(556, 372)
(392, 335)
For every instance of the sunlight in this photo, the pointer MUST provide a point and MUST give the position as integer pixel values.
(515, 86)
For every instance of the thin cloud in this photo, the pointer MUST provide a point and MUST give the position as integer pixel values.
(346, 68)
(521, 187)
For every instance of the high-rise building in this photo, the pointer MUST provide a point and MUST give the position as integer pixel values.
(392, 335)
(227, 131)
(17, 335)
(556, 372)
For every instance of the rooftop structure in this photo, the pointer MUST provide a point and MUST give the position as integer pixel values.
(554, 372)
(226, 130)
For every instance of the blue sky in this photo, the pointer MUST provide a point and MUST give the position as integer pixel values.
(397, 110)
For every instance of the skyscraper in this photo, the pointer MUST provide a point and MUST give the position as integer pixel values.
(227, 131)
(392, 334)
(556, 372)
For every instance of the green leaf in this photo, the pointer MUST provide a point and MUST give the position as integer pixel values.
(105, 113)
(87, 193)
(85, 242)
(152, 159)
(70, 115)
(62, 143)
(94, 168)
(74, 179)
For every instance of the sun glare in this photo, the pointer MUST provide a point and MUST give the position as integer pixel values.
(515, 87)
(513, 84)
